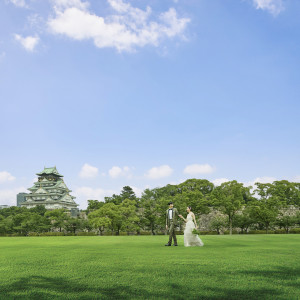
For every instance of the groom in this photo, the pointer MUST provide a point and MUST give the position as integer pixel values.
(171, 222)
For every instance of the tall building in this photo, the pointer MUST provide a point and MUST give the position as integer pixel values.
(21, 197)
(4, 206)
(50, 191)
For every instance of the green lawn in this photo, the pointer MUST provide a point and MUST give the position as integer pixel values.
(140, 267)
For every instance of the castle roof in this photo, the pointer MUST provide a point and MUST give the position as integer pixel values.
(48, 171)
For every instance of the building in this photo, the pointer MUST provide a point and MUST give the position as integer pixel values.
(50, 191)
(21, 198)
(4, 206)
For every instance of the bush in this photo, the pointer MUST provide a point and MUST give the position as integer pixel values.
(107, 234)
(86, 234)
(179, 232)
(145, 233)
(295, 230)
(233, 231)
(33, 234)
(52, 234)
(279, 231)
(124, 233)
(17, 234)
(208, 233)
(260, 232)
(160, 233)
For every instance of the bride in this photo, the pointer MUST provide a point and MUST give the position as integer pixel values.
(190, 239)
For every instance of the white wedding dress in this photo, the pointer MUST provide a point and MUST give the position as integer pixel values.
(191, 239)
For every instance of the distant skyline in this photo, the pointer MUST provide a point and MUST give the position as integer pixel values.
(146, 93)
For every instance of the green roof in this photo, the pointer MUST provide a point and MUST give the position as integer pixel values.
(49, 171)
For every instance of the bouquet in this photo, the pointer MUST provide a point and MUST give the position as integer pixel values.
(195, 231)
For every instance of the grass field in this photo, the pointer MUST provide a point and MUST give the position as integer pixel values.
(140, 267)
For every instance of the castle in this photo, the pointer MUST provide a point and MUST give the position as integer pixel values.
(50, 191)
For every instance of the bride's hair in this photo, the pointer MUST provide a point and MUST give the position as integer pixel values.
(190, 208)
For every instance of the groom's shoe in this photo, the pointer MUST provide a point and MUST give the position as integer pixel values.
(175, 245)
(167, 244)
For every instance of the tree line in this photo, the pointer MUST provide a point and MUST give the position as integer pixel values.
(235, 206)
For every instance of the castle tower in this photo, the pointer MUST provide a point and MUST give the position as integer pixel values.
(50, 191)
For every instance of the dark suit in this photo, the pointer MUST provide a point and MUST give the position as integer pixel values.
(171, 223)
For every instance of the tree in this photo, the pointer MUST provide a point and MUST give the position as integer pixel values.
(94, 204)
(111, 212)
(39, 209)
(149, 210)
(288, 193)
(217, 223)
(286, 222)
(6, 225)
(72, 224)
(243, 220)
(99, 222)
(228, 197)
(201, 185)
(126, 193)
(265, 209)
(86, 225)
(58, 217)
(115, 199)
(129, 215)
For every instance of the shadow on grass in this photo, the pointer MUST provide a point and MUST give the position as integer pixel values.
(42, 287)
(288, 276)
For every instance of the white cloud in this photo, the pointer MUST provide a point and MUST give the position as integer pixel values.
(63, 4)
(9, 196)
(87, 193)
(116, 172)
(29, 42)
(88, 171)
(19, 3)
(264, 179)
(219, 181)
(272, 6)
(125, 30)
(6, 176)
(159, 172)
(196, 169)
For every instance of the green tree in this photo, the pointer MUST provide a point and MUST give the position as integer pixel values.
(265, 209)
(126, 193)
(149, 210)
(243, 220)
(110, 211)
(72, 224)
(129, 215)
(58, 217)
(6, 225)
(94, 204)
(228, 197)
(39, 209)
(217, 223)
(286, 222)
(201, 185)
(98, 221)
(288, 193)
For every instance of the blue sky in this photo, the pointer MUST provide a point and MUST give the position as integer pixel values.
(145, 93)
